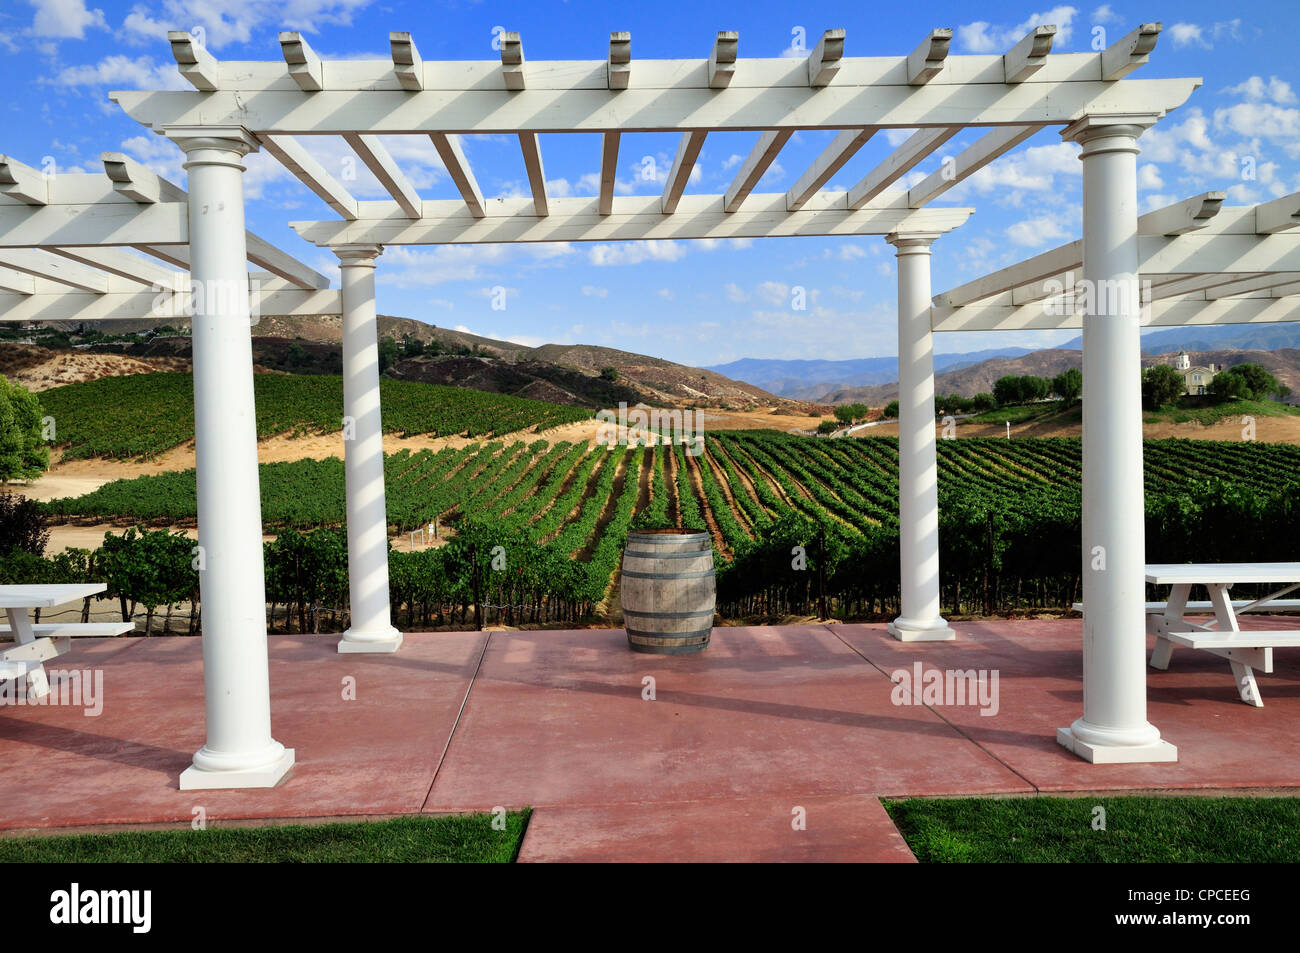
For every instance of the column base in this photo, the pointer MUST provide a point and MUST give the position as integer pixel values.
(1157, 752)
(376, 642)
(266, 776)
(921, 630)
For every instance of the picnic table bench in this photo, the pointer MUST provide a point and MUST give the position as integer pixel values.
(33, 644)
(1246, 651)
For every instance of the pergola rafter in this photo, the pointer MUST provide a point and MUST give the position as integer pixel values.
(1189, 253)
(66, 258)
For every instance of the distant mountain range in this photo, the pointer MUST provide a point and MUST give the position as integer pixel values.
(874, 379)
(811, 380)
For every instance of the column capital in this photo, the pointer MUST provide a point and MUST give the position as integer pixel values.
(357, 255)
(1088, 128)
(911, 243)
(223, 138)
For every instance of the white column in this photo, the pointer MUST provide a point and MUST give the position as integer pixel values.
(1114, 727)
(918, 472)
(363, 440)
(239, 751)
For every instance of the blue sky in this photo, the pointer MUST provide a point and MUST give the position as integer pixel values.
(695, 302)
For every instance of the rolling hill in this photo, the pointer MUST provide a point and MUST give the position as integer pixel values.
(574, 374)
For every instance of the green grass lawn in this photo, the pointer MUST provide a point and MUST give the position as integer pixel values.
(1138, 829)
(465, 839)
(1193, 409)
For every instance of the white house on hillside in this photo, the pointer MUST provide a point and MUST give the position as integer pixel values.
(1196, 380)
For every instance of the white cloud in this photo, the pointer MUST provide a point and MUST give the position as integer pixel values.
(122, 72)
(592, 291)
(65, 19)
(734, 292)
(1104, 14)
(666, 293)
(1036, 232)
(1256, 89)
(633, 253)
(1193, 34)
(984, 37)
(1264, 120)
(1149, 177)
(236, 21)
(773, 292)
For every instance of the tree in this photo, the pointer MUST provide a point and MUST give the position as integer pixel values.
(891, 410)
(827, 426)
(1248, 382)
(22, 525)
(387, 354)
(609, 373)
(1068, 385)
(1007, 390)
(1161, 386)
(23, 453)
(983, 401)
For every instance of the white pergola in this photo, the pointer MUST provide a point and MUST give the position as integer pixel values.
(63, 257)
(237, 107)
(1193, 262)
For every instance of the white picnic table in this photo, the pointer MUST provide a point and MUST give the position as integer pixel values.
(33, 644)
(1245, 651)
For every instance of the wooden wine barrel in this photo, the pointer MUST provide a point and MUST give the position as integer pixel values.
(668, 591)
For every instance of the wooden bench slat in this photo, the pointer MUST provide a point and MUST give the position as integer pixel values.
(1205, 606)
(78, 629)
(1250, 639)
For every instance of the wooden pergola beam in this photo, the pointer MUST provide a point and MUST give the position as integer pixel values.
(841, 149)
(512, 61)
(1128, 53)
(22, 182)
(1183, 217)
(1029, 55)
(197, 66)
(926, 61)
(1279, 215)
(984, 150)
(304, 65)
(899, 162)
(630, 217)
(453, 158)
(381, 163)
(114, 261)
(722, 59)
(41, 264)
(755, 166)
(137, 182)
(532, 152)
(688, 151)
(620, 60)
(824, 60)
(298, 161)
(407, 64)
(608, 171)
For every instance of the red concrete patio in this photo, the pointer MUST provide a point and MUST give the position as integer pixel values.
(771, 724)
